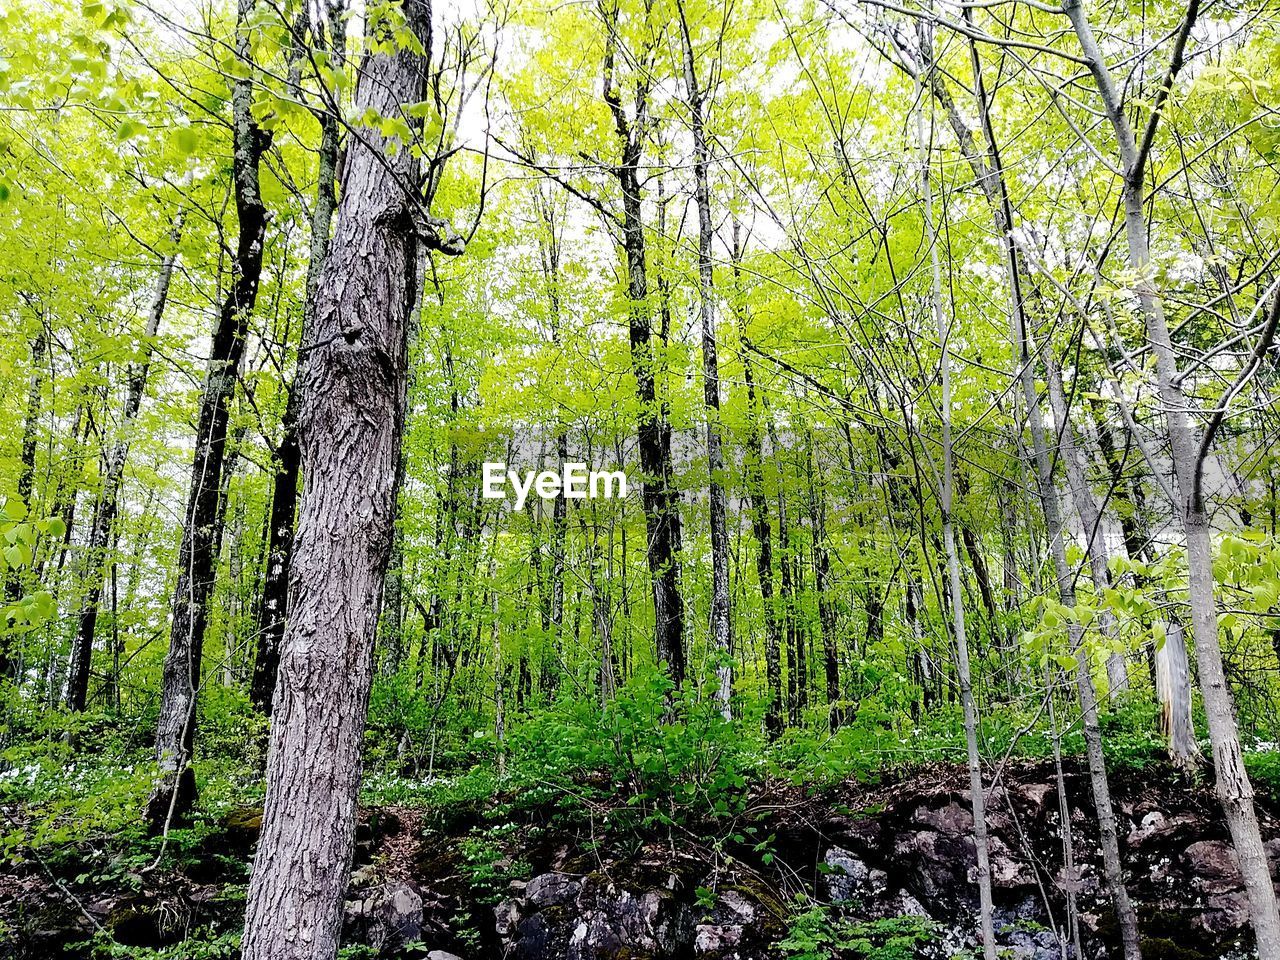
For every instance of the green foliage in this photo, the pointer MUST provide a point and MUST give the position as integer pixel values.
(488, 869)
(200, 945)
(1263, 767)
(672, 753)
(814, 934)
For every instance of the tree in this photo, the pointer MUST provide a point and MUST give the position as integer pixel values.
(175, 790)
(350, 429)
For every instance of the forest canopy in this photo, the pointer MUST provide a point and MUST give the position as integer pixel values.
(934, 343)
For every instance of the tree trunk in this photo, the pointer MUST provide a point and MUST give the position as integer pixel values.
(1090, 514)
(822, 586)
(104, 512)
(1108, 833)
(660, 501)
(273, 608)
(350, 430)
(13, 585)
(1231, 780)
(977, 796)
(174, 793)
(721, 624)
(760, 527)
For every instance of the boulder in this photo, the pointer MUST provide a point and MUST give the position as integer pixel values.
(386, 920)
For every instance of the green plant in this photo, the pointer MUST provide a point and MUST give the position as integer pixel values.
(814, 934)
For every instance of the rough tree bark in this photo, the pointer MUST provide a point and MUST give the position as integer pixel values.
(175, 789)
(350, 428)
(721, 624)
(660, 501)
(273, 607)
(104, 511)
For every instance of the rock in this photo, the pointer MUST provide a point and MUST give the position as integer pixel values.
(565, 918)
(442, 955)
(1036, 794)
(363, 877)
(1008, 869)
(849, 878)
(738, 904)
(953, 820)
(1213, 861)
(386, 920)
(506, 915)
(940, 864)
(1224, 913)
(713, 939)
(1156, 825)
(551, 889)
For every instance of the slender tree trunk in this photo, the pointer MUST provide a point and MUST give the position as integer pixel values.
(13, 585)
(1090, 514)
(660, 501)
(721, 623)
(1233, 787)
(273, 607)
(977, 795)
(1108, 833)
(350, 430)
(822, 586)
(104, 512)
(760, 526)
(174, 793)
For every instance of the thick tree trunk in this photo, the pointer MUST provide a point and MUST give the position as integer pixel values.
(721, 624)
(350, 428)
(104, 512)
(174, 793)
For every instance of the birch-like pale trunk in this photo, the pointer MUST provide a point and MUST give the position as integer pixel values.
(1087, 508)
(1108, 831)
(1232, 783)
(977, 794)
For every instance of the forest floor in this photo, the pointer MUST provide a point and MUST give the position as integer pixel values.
(599, 869)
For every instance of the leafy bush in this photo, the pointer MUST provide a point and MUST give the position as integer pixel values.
(813, 934)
